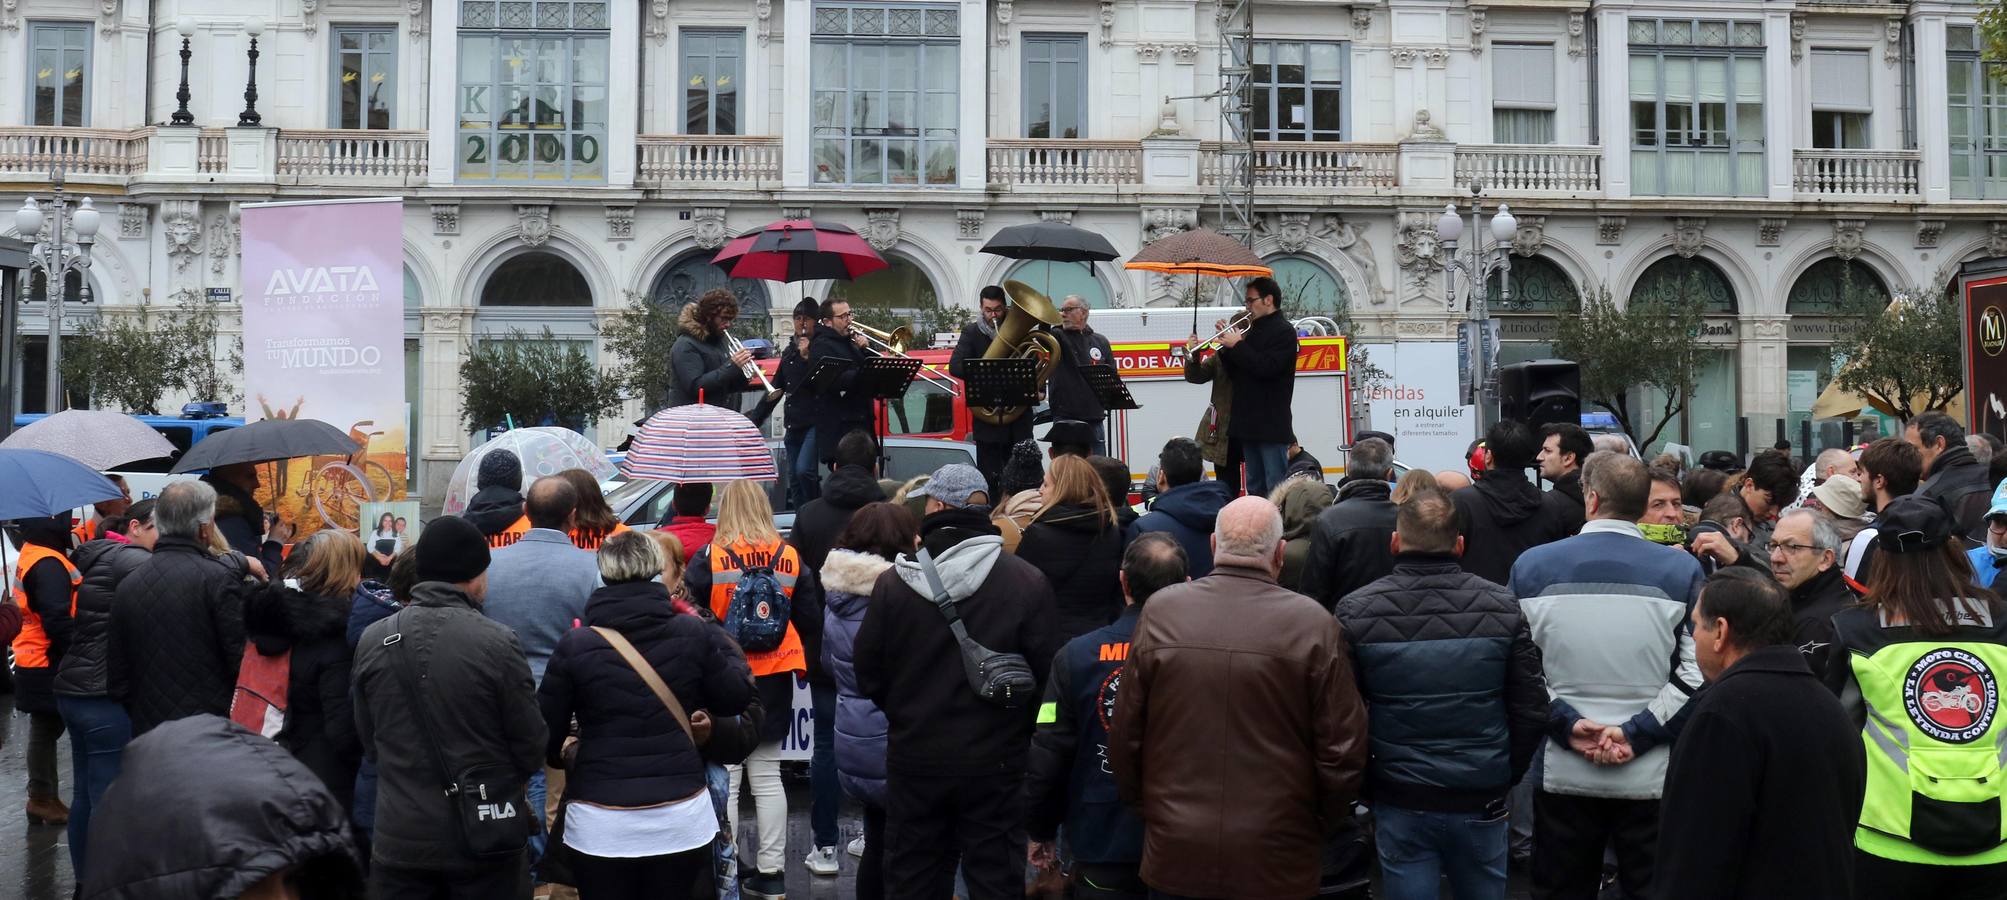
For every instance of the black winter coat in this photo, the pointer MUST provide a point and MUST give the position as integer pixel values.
(631, 751)
(1503, 516)
(908, 663)
(1812, 607)
(702, 363)
(480, 699)
(1958, 483)
(821, 521)
(1080, 555)
(1186, 512)
(494, 508)
(792, 376)
(1351, 545)
(49, 594)
(1071, 397)
(242, 523)
(1262, 368)
(1566, 499)
(1763, 790)
(204, 808)
(973, 344)
(85, 670)
(177, 633)
(320, 720)
(841, 405)
(1454, 694)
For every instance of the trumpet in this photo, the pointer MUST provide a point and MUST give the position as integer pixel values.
(751, 369)
(894, 343)
(1239, 322)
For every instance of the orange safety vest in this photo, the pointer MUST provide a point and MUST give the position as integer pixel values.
(578, 539)
(31, 646)
(786, 563)
(84, 530)
(511, 534)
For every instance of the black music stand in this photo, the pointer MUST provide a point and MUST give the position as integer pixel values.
(1108, 387)
(885, 378)
(1000, 383)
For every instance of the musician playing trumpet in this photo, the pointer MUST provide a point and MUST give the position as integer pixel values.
(1259, 359)
(704, 360)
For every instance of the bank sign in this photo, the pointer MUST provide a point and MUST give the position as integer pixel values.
(1167, 358)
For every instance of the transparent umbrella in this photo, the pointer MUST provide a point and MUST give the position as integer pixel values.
(544, 450)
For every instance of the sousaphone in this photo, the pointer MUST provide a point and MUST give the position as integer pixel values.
(1019, 337)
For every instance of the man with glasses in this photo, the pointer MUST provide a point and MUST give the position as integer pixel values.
(842, 404)
(1804, 556)
(993, 442)
(1072, 399)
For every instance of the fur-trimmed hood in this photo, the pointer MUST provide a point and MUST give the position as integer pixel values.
(686, 322)
(278, 617)
(852, 572)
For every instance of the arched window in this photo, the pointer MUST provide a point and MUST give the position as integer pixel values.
(692, 275)
(1538, 286)
(901, 286)
(1675, 278)
(1058, 279)
(1831, 284)
(536, 278)
(413, 296)
(1308, 288)
(73, 287)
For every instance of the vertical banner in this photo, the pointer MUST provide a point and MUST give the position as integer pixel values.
(1421, 402)
(324, 339)
(1986, 348)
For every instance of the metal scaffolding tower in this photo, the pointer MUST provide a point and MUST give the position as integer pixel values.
(1236, 96)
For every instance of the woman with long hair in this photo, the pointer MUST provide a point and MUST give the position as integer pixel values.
(382, 546)
(1074, 540)
(637, 809)
(596, 521)
(305, 612)
(1917, 663)
(747, 544)
(876, 534)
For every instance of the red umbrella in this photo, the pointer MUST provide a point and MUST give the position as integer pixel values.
(799, 250)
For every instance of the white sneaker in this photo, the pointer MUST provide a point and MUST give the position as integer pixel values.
(857, 847)
(822, 861)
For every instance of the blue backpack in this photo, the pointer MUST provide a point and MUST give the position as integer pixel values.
(757, 616)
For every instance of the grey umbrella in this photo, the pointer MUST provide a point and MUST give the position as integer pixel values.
(98, 438)
(267, 440)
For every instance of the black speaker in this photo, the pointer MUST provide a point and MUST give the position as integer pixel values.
(1541, 392)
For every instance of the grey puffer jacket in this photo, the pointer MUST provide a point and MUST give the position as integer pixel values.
(85, 671)
(701, 362)
(847, 579)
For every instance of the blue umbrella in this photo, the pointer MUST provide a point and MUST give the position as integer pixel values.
(39, 483)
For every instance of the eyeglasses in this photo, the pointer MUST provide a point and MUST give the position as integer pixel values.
(1775, 546)
(841, 316)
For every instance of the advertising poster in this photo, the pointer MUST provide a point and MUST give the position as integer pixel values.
(324, 339)
(1986, 353)
(1419, 403)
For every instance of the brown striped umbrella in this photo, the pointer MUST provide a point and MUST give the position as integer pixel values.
(1201, 251)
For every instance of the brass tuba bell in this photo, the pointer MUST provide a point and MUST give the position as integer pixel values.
(1019, 336)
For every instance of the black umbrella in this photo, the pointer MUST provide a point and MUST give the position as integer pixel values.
(267, 440)
(1051, 241)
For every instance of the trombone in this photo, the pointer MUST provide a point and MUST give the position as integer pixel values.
(894, 343)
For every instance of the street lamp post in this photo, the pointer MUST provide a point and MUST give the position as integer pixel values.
(1477, 266)
(56, 256)
(250, 118)
(185, 26)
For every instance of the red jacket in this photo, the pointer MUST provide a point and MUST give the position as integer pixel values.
(693, 531)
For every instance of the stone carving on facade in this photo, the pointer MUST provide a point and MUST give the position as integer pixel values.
(1996, 239)
(1425, 128)
(1362, 19)
(1185, 52)
(1927, 232)
(533, 223)
(1847, 237)
(1062, 216)
(445, 218)
(796, 212)
(1004, 13)
(619, 223)
(1108, 23)
(1162, 221)
(107, 17)
(1166, 289)
(881, 228)
(132, 221)
(1478, 22)
(309, 16)
(1290, 230)
(181, 225)
(1892, 42)
(1576, 47)
(1420, 256)
(8, 18)
(1149, 52)
(1797, 36)
(969, 223)
(225, 236)
(1350, 239)
(708, 227)
(658, 20)
(1688, 233)
(1770, 231)
(1421, 327)
(1767, 329)
(1436, 57)
(763, 15)
(1404, 56)
(1530, 236)
(415, 9)
(1610, 229)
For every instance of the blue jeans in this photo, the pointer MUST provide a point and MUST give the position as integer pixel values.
(99, 730)
(1266, 464)
(803, 472)
(1418, 848)
(541, 839)
(825, 794)
(725, 854)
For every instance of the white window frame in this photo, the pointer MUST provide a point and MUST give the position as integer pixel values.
(36, 29)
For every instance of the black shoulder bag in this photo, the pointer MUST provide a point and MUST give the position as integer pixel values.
(488, 799)
(1004, 679)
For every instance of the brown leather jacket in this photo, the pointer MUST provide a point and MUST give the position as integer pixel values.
(1238, 735)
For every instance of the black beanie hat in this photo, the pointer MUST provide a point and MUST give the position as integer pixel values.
(499, 468)
(1025, 470)
(451, 549)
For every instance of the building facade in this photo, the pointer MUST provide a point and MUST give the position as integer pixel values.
(559, 157)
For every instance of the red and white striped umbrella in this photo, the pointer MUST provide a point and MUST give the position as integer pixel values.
(699, 442)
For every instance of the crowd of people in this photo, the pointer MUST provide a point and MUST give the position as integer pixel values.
(1742, 678)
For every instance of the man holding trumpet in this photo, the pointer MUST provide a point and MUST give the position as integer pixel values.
(1257, 356)
(705, 361)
